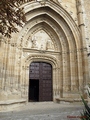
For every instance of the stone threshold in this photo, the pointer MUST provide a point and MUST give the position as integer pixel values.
(69, 100)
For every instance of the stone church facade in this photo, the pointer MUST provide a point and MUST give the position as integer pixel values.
(56, 34)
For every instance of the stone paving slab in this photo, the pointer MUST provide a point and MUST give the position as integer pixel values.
(44, 111)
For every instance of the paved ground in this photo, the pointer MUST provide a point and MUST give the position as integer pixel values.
(44, 111)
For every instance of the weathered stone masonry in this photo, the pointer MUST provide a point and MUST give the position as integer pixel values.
(54, 33)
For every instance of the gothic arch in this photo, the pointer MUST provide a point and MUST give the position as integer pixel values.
(60, 11)
(68, 59)
(62, 29)
(45, 58)
(66, 34)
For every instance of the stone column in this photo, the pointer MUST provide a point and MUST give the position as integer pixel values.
(17, 68)
(60, 77)
(54, 83)
(80, 69)
(57, 83)
(83, 43)
(20, 81)
(60, 82)
(1, 62)
(73, 71)
(66, 72)
(10, 68)
(12, 64)
(6, 64)
(26, 81)
(8, 72)
(3, 65)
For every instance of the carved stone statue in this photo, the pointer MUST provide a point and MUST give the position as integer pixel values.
(34, 43)
(49, 45)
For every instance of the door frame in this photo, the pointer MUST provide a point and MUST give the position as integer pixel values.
(57, 78)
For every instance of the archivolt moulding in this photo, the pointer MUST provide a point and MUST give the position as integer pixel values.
(44, 58)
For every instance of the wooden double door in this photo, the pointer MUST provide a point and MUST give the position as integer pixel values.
(40, 82)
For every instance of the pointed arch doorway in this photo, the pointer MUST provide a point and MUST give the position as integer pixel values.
(40, 81)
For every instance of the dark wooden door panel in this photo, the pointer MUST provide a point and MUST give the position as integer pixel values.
(34, 71)
(43, 72)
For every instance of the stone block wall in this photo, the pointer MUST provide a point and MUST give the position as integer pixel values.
(70, 7)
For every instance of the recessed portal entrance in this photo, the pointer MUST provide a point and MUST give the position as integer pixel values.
(40, 82)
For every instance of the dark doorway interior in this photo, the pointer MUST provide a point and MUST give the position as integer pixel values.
(34, 90)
